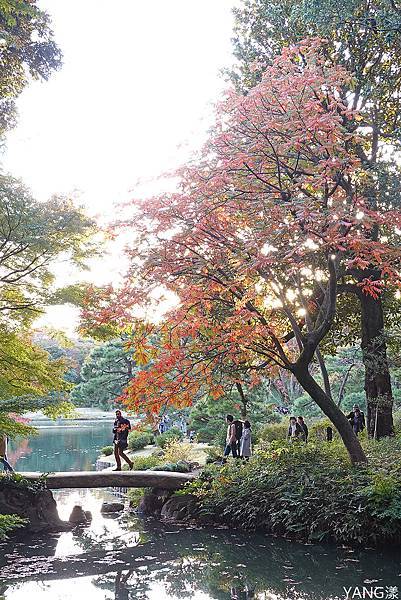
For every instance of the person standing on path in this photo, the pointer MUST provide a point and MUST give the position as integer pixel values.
(356, 419)
(121, 429)
(294, 430)
(3, 454)
(231, 439)
(246, 441)
(304, 427)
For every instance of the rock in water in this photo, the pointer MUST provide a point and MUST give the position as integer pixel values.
(180, 508)
(34, 503)
(78, 515)
(153, 501)
(111, 507)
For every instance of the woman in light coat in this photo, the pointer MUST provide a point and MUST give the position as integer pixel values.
(246, 441)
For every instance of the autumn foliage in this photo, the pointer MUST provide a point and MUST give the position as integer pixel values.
(264, 225)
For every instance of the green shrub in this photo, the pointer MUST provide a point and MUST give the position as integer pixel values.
(273, 431)
(165, 438)
(8, 523)
(178, 467)
(318, 430)
(306, 491)
(134, 496)
(142, 463)
(213, 453)
(139, 439)
(107, 450)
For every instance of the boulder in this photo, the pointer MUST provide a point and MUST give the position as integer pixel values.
(112, 507)
(152, 502)
(32, 502)
(78, 516)
(180, 508)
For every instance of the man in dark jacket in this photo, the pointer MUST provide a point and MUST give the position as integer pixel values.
(121, 429)
(304, 427)
(356, 419)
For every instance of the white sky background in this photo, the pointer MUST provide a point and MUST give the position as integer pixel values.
(138, 80)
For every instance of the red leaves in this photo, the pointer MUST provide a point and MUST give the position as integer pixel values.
(371, 287)
(246, 241)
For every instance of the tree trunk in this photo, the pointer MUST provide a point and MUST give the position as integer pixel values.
(379, 396)
(335, 415)
(244, 401)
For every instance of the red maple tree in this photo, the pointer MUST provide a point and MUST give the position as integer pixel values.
(263, 226)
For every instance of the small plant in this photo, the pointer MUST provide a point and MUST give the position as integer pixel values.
(134, 496)
(172, 434)
(107, 450)
(10, 522)
(179, 467)
(273, 431)
(174, 451)
(143, 463)
(139, 439)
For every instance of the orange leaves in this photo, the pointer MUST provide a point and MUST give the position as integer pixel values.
(371, 287)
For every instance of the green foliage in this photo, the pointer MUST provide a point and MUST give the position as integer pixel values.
(18, 481)
(104, 374)
(28, 51)
(107, 450)
(134, 496)
(166, 438)
(143, 463)
(208, 416)
(318, 430)
(35, 235)
(178, 467)
(9, 523)
(214, 453)
(306, 491)
(139, 439)
(273, 431)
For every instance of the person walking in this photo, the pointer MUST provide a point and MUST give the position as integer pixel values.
(231, 439)
(294, 430)
(304, 427)
(121, 429)
(3, 454)
(356, 419)
(246, 441)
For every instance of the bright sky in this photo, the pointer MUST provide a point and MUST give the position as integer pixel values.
(138, 80)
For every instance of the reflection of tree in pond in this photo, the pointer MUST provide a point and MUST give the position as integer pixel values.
(123, 584)
(67, 448)
(222, 564)
(108, 539)
(226, 565)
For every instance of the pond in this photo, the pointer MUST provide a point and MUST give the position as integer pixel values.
(68, 447)
(125, 557)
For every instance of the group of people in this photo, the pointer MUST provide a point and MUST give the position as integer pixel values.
(239, 433)
(356, 419)
(297, 429)
(238, 438)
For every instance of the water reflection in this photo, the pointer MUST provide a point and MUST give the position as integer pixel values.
(125, 558)
(72, 447)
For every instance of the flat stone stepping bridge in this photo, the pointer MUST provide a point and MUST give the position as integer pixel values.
(124, 479)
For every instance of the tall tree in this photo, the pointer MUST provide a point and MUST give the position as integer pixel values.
(365, 37)
(33, 237)
(105, 373)
(27, 51)
(263, 227)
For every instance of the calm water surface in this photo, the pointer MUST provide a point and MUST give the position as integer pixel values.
(72, 447)
(126, 558)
